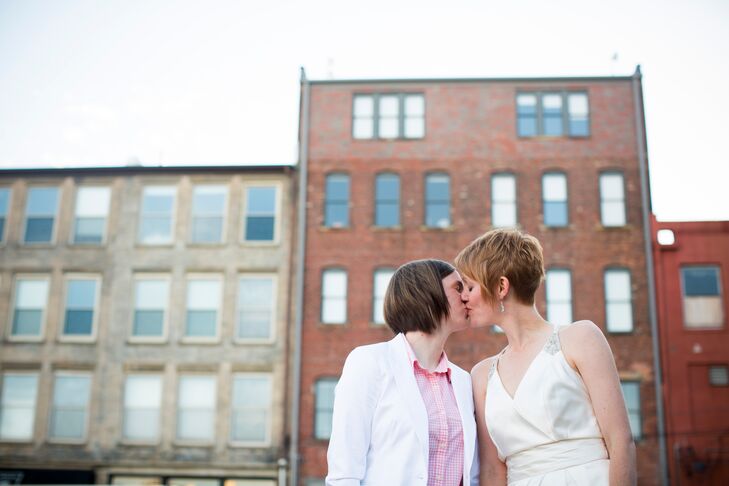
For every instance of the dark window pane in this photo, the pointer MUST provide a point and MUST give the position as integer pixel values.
(2, 229)
(387, 214)
(78, 322)
(701, 281)
(388, 187)
(555, 213)
(200, 323)
(207, 230)
(336, 215)
(527, 126)
(4, 198)
(579, 127)
(27, 322)
(337, 187)
(148, 323)
(259, 228)
(552, 125)
(89, 230)
(38, 230)
(437, 215)
(387, 200)
(437, 189)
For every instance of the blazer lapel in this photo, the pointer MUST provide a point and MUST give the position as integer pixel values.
(464, 399)
(402, 370)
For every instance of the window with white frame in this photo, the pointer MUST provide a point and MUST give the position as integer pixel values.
(381, 281)
(260, 224)
(17, 405)
(196, 398)
(437, 200)
(4, 209)
(208, 213)
(69, 412)
(388, 116)
(702, 297)
(256, 306)
(40, 214)
(618, 300)
(29, 309)
(324, 407)
(336, 203)
(92, 209)
(203, 307)
(334, 296)
(156, 222)
(544, 114)
(503, 200)
(142, 400)
(559, 296)
(554, 195)
(81, 298)
(612, 199)
(151, 298)
(387, 200)
(251, 408)
(631, 395)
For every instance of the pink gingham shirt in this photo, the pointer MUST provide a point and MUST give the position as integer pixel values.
(445, 431)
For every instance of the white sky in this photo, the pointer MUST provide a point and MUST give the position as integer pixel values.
(177, 82)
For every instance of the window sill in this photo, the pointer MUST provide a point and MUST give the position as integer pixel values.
(72, 244)
(203, 444)
(249, 445)
(201, 244)
(333, 325)
(44, 245)
(625, 227)
(545, 227)
(140, 442)
(25, 339)
(261, 243)
(212, 341)
(334, 229)
(166, 245)
(255, 342)
(67, 442)
(77, 339)
(387, 229)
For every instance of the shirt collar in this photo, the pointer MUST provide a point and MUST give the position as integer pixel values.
(443, 363)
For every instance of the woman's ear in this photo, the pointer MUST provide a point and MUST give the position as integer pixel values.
(504, 287)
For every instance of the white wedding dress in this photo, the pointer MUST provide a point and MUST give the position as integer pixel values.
(546, 433)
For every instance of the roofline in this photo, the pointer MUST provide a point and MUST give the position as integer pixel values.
(129, 170)
(567, 79)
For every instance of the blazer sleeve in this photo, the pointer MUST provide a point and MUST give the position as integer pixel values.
(355, 400)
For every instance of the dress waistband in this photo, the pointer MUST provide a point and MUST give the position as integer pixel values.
(553, 457)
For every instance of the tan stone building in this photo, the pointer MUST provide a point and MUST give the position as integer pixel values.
(144, 317)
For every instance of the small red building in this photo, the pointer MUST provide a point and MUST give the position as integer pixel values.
(692, 273)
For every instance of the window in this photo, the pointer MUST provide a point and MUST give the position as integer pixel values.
(69, 413)
(612, 199)
(17, 406)
(543, 114)
(323, 407)
(4, 209)
(208, 213)
(336, 205)
(203, 301)
(81, 298)
(40, 214)
(31, 297)
(554, 194)
(388, 116)
(334, 296)
(559, 296)
(702, 302)
(92, 208)
(437, 201)
(631, 394)
(157, 219)
(151, 298)
(503, 200)
(142, 399)
(256, 306)
(382, 280)
(387, 200)
(251, 408)
(618, 300)
(260, 224)
(196, 407)
(719, 375)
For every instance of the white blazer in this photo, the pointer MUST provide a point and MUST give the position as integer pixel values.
(380, 424)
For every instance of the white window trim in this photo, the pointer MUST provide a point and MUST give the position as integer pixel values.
(218, 315)
(195, 442)
(105, 232)
(226, 211)
(4, 236)
(34, 429)
(173, 217)
(160, 432)
(131, 338)
(269, 425)
(62, 336)
(274, 307)
(44, 315)
(85, 438)
(54, 232)
(278, 186)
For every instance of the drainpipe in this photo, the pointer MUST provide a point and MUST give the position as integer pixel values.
(301, 259)
(648, 239)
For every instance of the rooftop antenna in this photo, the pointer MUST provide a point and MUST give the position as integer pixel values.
(330, 68)
(614, 63)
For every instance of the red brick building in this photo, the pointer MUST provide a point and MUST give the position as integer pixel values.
(692, 265)
(397, 170)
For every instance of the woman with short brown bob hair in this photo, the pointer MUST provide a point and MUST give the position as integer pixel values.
(549, 408)
(403, 413)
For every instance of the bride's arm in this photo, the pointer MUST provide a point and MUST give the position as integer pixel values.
(587, 350)
(492, 470)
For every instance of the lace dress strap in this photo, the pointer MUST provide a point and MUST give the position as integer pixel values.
(553, 346)
(494, 363)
